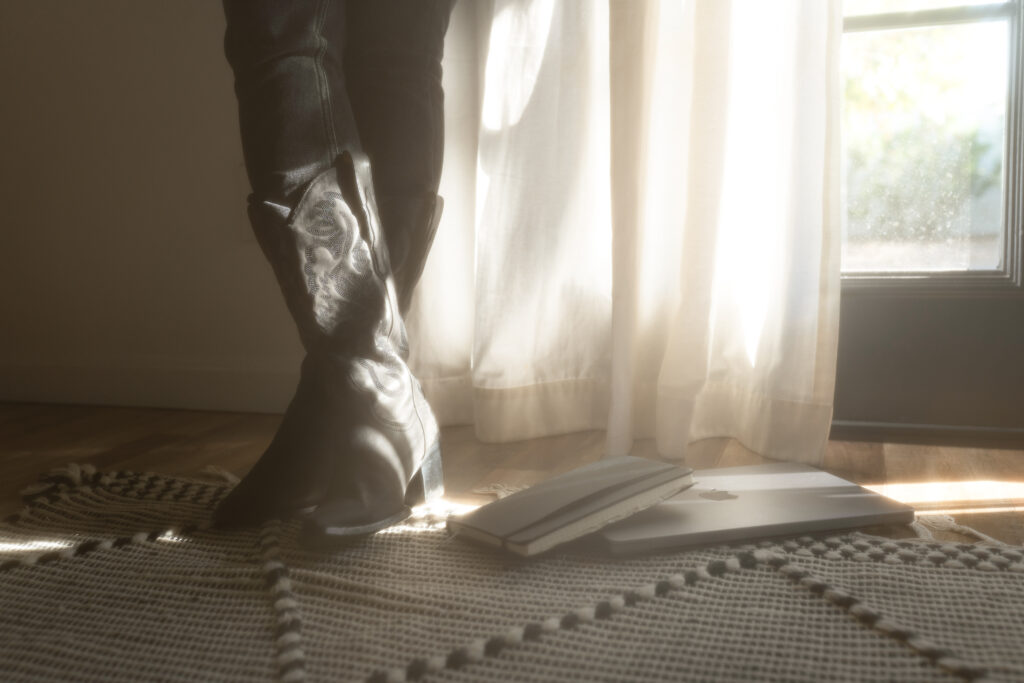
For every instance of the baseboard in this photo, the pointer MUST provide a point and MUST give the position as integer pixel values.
(260, 391)
(931, 435)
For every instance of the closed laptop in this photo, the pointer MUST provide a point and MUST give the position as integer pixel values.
(737, 504)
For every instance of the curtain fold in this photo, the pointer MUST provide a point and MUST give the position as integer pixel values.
(646, 232)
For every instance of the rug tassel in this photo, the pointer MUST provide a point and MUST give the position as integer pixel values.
(925, 524)
(220, 473)
(71, 475)
(921, 530)
(498, 490)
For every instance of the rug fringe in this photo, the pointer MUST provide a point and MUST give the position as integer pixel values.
(498, 490)
(72, 475)
(220, 473)
(924, 525)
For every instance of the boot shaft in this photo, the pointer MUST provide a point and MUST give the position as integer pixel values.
(332, 264)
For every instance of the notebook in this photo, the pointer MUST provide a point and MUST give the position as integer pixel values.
(571, 505)
(747, 503)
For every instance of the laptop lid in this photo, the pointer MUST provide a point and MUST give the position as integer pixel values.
(745, 503)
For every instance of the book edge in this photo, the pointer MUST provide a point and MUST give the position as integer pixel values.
(597, 521)
(680, 480)
(655, 469)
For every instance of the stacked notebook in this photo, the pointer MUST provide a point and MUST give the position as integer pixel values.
(572, 505)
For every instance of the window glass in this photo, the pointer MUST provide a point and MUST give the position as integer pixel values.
(923, 131)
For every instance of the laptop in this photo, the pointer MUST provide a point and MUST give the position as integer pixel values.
(734, 504)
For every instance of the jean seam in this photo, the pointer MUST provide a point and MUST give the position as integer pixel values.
(327, 108)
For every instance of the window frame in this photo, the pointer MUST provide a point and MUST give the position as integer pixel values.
(1009, 280)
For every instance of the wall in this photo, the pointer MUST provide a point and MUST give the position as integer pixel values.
(128, 274)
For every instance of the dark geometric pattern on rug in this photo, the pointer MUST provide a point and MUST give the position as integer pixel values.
(118, 576)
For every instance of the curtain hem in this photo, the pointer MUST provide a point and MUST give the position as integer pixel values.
(752, 418)
(538, 410)
(451, 399)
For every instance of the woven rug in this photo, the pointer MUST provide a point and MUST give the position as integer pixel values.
(117, 577)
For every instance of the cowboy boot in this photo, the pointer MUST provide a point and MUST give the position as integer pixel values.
(358, 444)
(393, 444)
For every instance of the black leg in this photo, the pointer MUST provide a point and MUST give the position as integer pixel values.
(393, 65)
(293, 102)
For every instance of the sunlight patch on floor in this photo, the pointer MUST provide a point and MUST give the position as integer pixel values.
(952, 497)
(980, 510)
(171, 537)
(32, 545)
(430, 516)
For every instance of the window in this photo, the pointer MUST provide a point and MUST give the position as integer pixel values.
(929, 88)
(931, 336)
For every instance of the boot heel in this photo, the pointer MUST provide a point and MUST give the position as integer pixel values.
(428, 482)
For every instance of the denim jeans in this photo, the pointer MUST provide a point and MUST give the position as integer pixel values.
(315, 77)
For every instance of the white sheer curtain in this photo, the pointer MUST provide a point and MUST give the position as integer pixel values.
(642, 223)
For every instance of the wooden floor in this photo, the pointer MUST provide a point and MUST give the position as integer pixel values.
(982, 486)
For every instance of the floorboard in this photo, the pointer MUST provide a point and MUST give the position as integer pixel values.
(35, 438)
